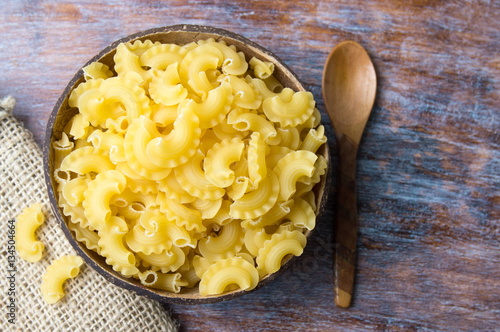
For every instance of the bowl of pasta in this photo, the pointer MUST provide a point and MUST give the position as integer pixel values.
(186, 163)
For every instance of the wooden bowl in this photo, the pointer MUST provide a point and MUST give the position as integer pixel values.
(61, 114)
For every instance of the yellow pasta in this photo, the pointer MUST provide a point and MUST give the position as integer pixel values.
(262, 88)
(254, 240)
(76, 214)
(166, 261)
(256, 203)
(111, 242)
(222, 217)
(86, 160)
(227, 243)
(124, 91)
(225, 130)
(214, 107)
(314, 139)
(139, 47)
(219, 159)
(177, 147)
(57, 273)
(247, 121)
(289, 108)
(110, 142)
(150, 235)
(289, 137)
(319, 170)
(165, 87)
(62, 148)
(161, 56)
(187, 165)
(164, 116)
(27, 246)
(228, 272)
(192, 178)
(118, 125)
(171, 189)
(190, 219)
(139, 134)
(200, 265)
(302, 215)
(86, 236)
(245, 95)
(273, 84)
(261, 69)
(171, 282)
(96, 70)
(207, 207)
(234, 62)
(257, 169)
(127, 61)
(73, 190)
(291, 169)
(85, 97)
(78, 127)
(97, 197)
(194, 67)
(273, 216)
(242, 183)
(271, 255)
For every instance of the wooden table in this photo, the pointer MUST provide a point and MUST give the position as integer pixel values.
(429, 164)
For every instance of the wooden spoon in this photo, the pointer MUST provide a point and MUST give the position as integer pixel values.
(349, 85)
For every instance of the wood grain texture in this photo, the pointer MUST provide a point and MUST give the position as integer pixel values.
(428, 167)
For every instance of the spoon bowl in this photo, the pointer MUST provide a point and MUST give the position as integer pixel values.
(349, 87)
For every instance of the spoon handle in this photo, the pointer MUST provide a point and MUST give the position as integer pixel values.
(346, 223)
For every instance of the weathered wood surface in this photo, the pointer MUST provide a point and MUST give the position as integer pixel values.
(429, 162)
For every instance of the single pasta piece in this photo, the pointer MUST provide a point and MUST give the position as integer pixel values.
(86, 160)
(28, 247)
(57, 273)
(166, 261)
(171, 282)
(302, 215)
(86, 236)
(166, 89)
(234, 62)
(62, 148)
(227, 243)
(150, 235)
(219, 159)
(194, 67)
(226, 273)
(292, 168)
(98, 196)
(257, 169)
(261, 69)
(192, 178)
(257, 202)
(111, 242)
(214, 108)
(161, 56)
(96, 70)
(289, 108)
(270, 256)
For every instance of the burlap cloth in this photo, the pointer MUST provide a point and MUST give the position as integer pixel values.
(91, 303)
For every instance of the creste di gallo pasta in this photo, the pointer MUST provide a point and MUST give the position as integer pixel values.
(189, 166)
(28, 221)
(60, 270)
